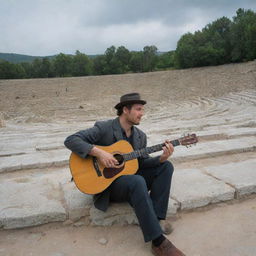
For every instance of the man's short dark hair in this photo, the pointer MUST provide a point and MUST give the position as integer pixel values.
(119, 111)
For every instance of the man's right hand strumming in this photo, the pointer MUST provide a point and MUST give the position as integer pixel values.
(104, 157)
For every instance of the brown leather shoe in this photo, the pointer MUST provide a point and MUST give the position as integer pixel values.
(166, 248)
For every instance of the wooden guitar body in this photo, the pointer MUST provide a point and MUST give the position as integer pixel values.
(91, 177)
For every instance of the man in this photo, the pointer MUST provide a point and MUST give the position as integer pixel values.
(154, 174)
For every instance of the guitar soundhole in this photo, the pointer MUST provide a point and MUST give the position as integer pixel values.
(119, 158)
(111, 172)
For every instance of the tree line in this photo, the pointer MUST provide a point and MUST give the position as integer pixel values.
(222, 41)
(114, 61)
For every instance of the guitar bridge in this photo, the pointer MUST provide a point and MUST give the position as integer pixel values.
(96, 166)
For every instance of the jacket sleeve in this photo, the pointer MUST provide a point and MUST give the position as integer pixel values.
(147, 161)
(82, 142)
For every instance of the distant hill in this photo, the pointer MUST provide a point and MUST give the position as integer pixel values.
(18, 58)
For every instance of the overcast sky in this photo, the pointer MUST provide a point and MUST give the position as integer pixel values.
(48, 27)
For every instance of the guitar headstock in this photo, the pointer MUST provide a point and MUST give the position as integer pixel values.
(188, 139)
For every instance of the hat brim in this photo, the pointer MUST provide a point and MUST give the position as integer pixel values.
(121, 104)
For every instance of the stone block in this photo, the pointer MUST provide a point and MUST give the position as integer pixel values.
(241, 175)
(194, 189)
(34, 160)
(117, 213)
(122, 214)
(77, 203)
(216, 148)
(29, 202)
(173, 207)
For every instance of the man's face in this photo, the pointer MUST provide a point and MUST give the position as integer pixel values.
(134, 115)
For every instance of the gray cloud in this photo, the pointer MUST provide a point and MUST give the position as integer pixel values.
(47, 27)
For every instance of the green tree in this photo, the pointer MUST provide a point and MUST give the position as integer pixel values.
(42, 68)
(218, 40)
(149, 58)
(123, 57)
(46, 68)
(11, 71)
(165, 60)
(136, 62)
(211, 46)
(185, 54)
(63, 65)
(243, 36)
(37, 67)
(82, 65)
(99, 63)
(19, 70)
(113, 64)
(27, 66)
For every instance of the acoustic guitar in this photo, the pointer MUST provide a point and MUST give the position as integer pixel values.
(91, 177)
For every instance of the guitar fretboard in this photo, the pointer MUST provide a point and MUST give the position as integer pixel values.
(147, 150)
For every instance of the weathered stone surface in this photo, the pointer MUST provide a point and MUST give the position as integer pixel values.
(49, 154)
(117, 213)
(34, 160)
(58, 254)
(67, 223)
(193, 189)
(103, 241)
(216, 148)
(241, 175)
(29, 202)
(173, 206)
(122, 214)
(78, 204)
(79, 224)
(228, 133)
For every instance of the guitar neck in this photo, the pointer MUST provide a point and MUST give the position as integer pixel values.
(148, 150)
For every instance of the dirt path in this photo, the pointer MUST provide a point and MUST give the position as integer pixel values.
(226, 230)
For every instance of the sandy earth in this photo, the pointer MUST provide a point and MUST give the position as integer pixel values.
(225, 230)
(201, 99)
(89, 98)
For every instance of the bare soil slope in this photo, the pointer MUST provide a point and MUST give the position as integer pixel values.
(47, 100)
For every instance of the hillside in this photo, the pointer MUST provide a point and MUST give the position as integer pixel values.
(18, 58)
(50, 100)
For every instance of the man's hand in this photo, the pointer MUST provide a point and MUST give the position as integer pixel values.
(104, 157)
(167, 151)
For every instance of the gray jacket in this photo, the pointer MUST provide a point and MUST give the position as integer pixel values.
(105, 133)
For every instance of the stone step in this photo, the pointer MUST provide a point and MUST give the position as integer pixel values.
(27, 202)
(215, 148)
(48, 158)
(241, 176)
(227, 132)
(40, 159)
(35, 200)
(18, 143)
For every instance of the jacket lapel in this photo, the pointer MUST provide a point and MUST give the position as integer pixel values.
(117, 129)
(119, 136)
(136, 139)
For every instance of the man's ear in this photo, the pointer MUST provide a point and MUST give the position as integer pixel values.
(125, 110)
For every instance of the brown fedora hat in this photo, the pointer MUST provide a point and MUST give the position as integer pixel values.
(130, 98)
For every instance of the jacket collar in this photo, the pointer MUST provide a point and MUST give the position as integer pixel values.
(136, 138)
(119, 136)
(117, 129)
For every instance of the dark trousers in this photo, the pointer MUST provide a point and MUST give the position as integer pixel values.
(150, 206)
